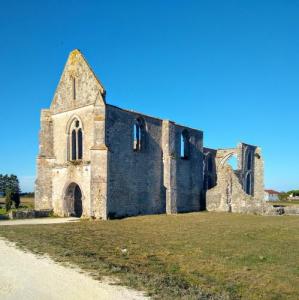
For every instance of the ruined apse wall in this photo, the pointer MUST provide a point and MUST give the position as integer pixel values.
(238, 190)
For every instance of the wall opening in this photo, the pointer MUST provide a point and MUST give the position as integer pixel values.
(248, 184)
(75, 144)
(73, 200)
(139, 135)
(233, 162)
(184, 145)
(249, 161)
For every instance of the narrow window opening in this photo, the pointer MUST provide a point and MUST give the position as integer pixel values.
(248, 184)
(74, 143)
(185, 145)
(249, 161)
(80, 144)
(74, 88)
(182, 147)
(138, 135)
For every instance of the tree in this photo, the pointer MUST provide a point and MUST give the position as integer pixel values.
(2, 189)
(283, 196)
(10, 184)
(8, 199)
(294, 192)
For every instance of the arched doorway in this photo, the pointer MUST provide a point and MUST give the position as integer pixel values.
(73, 200)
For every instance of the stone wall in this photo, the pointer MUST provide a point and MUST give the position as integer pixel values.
(44, 162)
(155, 179)
(135, 177)
(189, 171)
(29, 214)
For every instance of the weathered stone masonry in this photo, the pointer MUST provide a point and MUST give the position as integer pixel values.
(98, 160)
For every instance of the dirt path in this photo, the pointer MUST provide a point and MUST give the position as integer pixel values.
(24, 275)
(38, 221)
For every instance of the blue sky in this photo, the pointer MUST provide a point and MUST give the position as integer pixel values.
(230, 68)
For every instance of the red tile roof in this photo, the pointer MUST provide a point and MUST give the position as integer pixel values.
(272, 192)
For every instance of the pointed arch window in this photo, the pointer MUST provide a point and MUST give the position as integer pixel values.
(75, 151)
(184, 144)
(139, 135)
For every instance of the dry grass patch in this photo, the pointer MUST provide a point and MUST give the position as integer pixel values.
(192, 256)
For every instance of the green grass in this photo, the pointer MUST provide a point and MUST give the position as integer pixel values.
(186, 256)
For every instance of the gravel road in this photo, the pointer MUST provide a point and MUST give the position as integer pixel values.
(24, 275)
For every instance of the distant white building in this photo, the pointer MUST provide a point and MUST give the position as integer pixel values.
(271, 195)
(293, 197)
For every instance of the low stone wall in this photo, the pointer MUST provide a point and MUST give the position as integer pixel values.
(275, 210)
(291, 210)
(30, 214)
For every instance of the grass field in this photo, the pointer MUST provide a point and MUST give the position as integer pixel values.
(225, 256)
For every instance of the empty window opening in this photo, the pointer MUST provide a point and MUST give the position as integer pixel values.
(233, 162)
(75, 151)
(74, 144)
(249, 161)
(80, 143)
(248, 184)
(184, 145)
(138, 135)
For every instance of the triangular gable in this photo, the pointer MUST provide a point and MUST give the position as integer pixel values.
(78, 85)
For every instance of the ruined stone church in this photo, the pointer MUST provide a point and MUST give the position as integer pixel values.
(101, 161)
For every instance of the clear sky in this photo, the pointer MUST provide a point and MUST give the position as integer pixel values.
(230, 68)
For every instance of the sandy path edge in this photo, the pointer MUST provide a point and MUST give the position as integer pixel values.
(24, 275)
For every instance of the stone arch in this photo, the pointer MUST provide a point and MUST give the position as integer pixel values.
(73, 200)
(223, 161)
(71, 120)
(75, 136)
